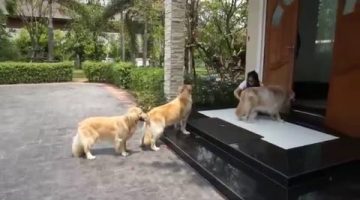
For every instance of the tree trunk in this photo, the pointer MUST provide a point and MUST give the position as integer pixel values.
(191, 60)
(50, 34)
(96, 49)
(192, 18)
(33, 48)
(145, 42)
(186, 60)
(122, 36)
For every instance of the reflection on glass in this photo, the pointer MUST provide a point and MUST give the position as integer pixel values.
(287, 2)
(349, 6)
(317, 23)
(326, 25)
(278, 13)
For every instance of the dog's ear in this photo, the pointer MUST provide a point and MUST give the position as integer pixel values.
(185, 87)
(189, 88)
(181, 89)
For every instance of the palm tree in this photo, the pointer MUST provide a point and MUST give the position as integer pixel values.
(110, 10)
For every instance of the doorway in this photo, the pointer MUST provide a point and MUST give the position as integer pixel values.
(314, 55)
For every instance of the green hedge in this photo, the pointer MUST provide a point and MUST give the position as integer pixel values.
(147, 85)
(19, 72)
(210, 93)
(147, 79)
(97, 71)
(120, 74)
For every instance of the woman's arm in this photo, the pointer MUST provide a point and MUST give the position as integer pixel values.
(237, 93)
(238, 90)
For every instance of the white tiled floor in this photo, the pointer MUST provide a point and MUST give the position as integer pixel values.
(284, 135)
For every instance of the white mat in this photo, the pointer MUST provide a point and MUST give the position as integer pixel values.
(284, 135)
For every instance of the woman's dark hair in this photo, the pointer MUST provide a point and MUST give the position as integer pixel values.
(255, 82)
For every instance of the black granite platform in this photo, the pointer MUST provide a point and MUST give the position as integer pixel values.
(288, 167)
(236, 180)
(242, 166)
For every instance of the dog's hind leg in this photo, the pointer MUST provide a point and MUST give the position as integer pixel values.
(77, 147)
(157, 131)
(87, 147)
(87, 144)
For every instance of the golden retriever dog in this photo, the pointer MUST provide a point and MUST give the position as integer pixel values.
(175, 112)
(266, 99)
(117, 129)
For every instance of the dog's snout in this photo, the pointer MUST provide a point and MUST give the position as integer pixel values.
(143, 117)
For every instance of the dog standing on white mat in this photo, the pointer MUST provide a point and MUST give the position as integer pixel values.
(266, 99)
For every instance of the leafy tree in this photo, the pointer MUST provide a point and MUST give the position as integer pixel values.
(221, 36)
(90, 22)
(192, 18)
(151, 14)
(8, 50)
(23, 44)
(32, 13)
(84, 38)
(3, 33)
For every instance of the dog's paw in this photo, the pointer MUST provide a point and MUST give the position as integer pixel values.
(185, 132)
(155, 148)
(90, 157)
(124, 153)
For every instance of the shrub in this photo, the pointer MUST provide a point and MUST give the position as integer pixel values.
(97, 71)
(120, 74)
(147, 79)
(18, 72)
(210, 93)
(8, 50)
(148, 84)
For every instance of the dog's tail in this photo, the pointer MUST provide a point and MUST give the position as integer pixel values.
(77, 146)
(147, 136)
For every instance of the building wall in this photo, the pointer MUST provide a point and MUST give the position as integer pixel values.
(255, 36)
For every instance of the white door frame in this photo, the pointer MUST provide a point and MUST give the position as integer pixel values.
(256, 36)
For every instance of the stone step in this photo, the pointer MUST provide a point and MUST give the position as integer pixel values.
(318, 162)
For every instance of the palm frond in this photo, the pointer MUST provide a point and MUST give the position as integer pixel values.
(115, 7)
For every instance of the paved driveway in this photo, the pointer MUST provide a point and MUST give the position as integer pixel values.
(37, 124)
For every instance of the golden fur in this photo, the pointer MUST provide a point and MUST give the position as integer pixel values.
(117, 129)
(266, 99)
(172, 113)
